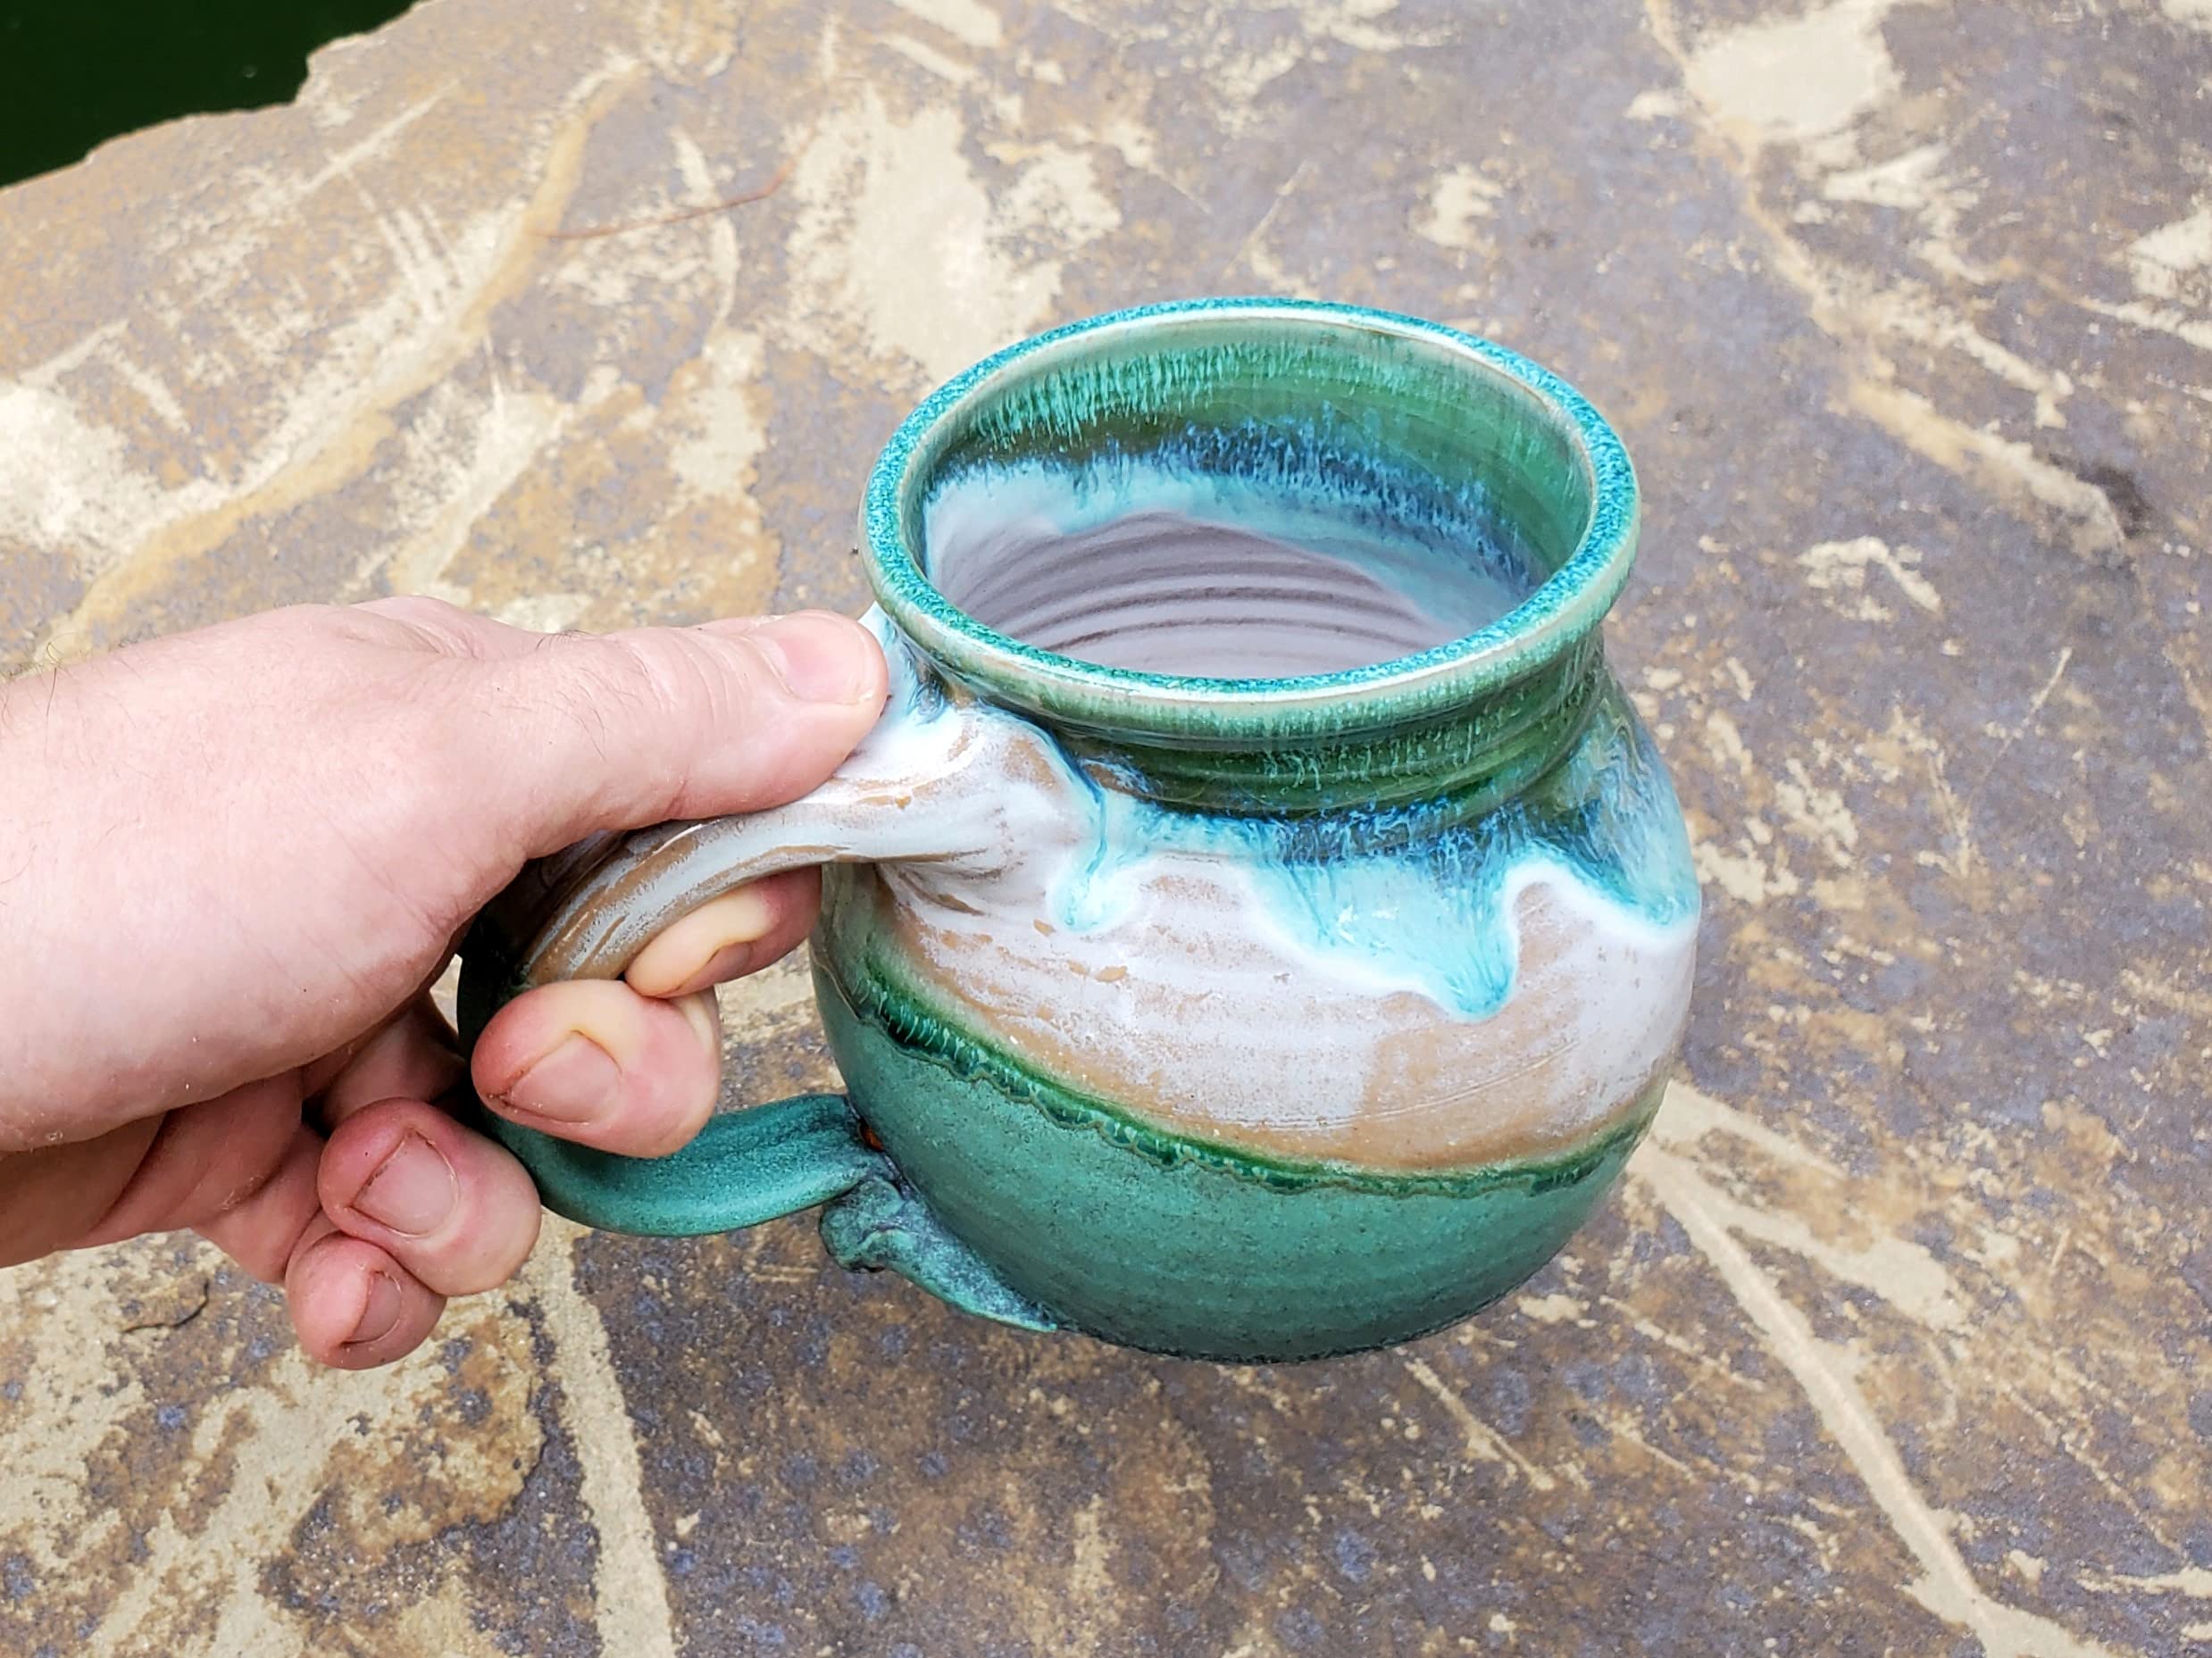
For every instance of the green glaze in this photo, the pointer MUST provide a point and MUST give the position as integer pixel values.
(1448, 414)
(882, 1225)
(1165, 1243)
(1380, 823)
(746, 1167)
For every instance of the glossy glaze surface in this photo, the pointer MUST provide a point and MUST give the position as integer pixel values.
(1254, 1017)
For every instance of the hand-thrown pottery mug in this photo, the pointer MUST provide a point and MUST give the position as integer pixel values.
(1259, 927)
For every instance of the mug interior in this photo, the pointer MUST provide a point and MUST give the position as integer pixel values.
(1247, 503)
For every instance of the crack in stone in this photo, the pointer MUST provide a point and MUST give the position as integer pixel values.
(193, 1311)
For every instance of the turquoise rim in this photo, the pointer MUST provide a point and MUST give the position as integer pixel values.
(1568, 604)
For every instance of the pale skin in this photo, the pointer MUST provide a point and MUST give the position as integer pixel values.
(233, 862)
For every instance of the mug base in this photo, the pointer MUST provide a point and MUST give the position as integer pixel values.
(1094, 1223)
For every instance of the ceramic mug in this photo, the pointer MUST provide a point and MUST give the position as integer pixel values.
(1238, 1018)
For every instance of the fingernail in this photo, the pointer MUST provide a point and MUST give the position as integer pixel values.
(820, 658)
(380, 1311)
(576, 1082)
(411, 1191)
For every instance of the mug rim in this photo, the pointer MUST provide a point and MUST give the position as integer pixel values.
(1566, 605)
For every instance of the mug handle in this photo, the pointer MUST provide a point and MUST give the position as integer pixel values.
(916, 789)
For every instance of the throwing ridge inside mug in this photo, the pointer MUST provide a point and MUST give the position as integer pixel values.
(1247, 1018)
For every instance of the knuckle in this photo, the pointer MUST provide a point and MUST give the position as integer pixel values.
(440, 625)
(667, 682)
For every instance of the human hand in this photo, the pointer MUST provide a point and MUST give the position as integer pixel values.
(233, 862)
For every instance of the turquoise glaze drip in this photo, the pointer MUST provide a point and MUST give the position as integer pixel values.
(1417, 895)
(1410, 894)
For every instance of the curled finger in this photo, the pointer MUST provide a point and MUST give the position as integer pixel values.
(727, 938)
(452, 1208)
(594, 1061)
(353, 1306)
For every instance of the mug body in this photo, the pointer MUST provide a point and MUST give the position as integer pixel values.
(1344, 941)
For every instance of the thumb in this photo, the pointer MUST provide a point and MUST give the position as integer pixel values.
(618, 731)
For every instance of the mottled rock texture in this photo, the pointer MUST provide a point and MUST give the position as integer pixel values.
(1896, 1339)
